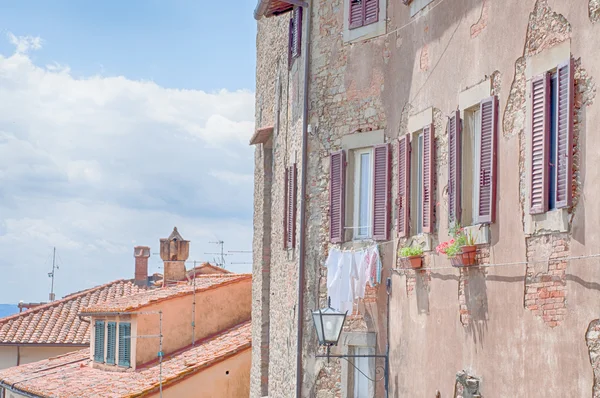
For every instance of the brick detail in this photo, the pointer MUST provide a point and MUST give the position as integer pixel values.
(482, 22)
(545, 280)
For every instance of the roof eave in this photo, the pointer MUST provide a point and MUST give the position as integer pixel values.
(263, 10)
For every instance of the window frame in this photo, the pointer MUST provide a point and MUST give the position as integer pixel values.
(356, 194)
(416, 183)
(99, 324)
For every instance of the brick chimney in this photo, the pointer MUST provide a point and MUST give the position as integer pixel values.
(141, 254)
(174, 251)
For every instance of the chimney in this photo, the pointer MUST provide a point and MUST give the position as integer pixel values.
(174, 251)
(141, 254)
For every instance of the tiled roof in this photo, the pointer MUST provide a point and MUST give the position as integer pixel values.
(132, 303)
(58, 322)
(207, 268)
(72, 375)
(269, 8)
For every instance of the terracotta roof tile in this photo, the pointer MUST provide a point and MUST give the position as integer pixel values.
(58, 322)
(71, 375)
(132, 303)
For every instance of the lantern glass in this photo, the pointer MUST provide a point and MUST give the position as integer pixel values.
(328, 325)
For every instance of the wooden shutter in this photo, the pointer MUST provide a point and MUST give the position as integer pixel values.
(355, 13)
(540, 129)
(289, 229)
(124, 344)
(111, 342)
(381, 191)
(427, 177)
(403, 185)
(296, 32)
(371, 11)
(564, 134)
(99, 341)
(290, 42)
(337, 189)
(488, 113)
(454, 168)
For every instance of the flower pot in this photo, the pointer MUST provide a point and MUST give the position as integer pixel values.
(468, 254)
(456, 261)
(415, 261)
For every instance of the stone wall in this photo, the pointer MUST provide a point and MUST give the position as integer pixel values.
(493, 321)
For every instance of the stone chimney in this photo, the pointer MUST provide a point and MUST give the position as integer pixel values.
(174, 251)
(141, 254)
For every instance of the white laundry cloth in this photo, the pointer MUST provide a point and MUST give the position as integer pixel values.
(362, 272)
(341, 279)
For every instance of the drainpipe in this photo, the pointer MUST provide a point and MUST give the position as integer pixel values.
(302, 243)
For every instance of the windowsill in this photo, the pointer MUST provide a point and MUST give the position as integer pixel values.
(481, 233)
(423, 240)
(553, 221)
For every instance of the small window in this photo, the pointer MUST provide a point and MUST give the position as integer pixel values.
(295, 35)
(363, 193)
(99, 341)
(362, 13)
(360, 382)
(124, 344)
(111, 342)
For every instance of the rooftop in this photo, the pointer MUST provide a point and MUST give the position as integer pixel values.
(132, 303)
(58, 322)
(72, 375)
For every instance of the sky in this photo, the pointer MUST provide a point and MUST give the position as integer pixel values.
(118, 121)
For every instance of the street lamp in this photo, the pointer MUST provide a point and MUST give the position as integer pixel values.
(329, 324)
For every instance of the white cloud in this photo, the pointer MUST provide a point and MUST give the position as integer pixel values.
(25, 43)
(90, 165)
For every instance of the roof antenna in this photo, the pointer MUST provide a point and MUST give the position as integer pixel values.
(51, 275)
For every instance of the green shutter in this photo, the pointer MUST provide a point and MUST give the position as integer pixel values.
(124, 344)
(111, 343)
(99, 341)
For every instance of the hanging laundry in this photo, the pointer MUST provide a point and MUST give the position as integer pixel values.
(340, 281)
(362, 268)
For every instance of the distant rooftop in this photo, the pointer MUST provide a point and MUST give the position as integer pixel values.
(132, 303)
(71, 375)
(58, 322)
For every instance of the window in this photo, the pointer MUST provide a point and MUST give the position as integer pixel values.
(363, 173)
(551, 139)
(363, 12)
(367, 201)
(111, 342)
(415, 182)
(99, 341)
(361, 385)
(289, 228)
(124, 344)
(472, 164)
(295, 35)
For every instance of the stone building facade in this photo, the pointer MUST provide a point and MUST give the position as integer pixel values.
(524, 321)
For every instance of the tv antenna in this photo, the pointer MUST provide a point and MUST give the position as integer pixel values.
(220, 260)
(51, 274)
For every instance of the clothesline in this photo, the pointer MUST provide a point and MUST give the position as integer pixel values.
(511, 264)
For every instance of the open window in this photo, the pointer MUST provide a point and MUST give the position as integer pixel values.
(361, 211)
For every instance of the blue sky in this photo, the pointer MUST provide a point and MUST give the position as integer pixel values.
(118, 121)
(206, 45)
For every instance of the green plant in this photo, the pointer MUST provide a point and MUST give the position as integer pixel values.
(453, 249)
(469, 239)
(411, 251)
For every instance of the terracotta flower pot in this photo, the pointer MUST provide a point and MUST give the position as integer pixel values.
(468, 254)
(415, 261)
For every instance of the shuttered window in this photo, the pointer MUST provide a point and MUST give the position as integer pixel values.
(381, 198)
(362, 12)
(454, 168)
(337, 192)
(124, 344)
(99, 341)
(540, 126)
(552, 139)
(486, 206)
(289, 227)
(111, 342)
(363, 193)
(295, 38)
(427, 170)
(403, 201)
(564, 134)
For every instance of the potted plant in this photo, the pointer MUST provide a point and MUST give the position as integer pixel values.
(461, 249)
(412, 254)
